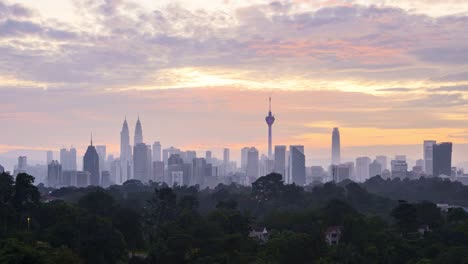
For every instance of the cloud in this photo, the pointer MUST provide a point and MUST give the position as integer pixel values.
(455, 88)
(15, 10)
(399, 90)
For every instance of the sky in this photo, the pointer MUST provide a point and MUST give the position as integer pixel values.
(389, 73)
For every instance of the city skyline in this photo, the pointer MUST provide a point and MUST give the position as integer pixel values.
(208, 66)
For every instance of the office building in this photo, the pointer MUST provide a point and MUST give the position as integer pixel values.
(280, 160)
(54, 174)
(125, 154)
(399, 169)
(341, 172)
(158, 171)
(102, 153)
(383, 162)
(336, 147)
(226, 156)
(442, 159)
(83, 178)
(297, 165)
(252, 165)
(199, 171)
(91, 165)
(375, 168)
(244, 154)
(362, 168)
(140, 162)
(157, 151)
(50, 157)
(208, 157)
(428, 155)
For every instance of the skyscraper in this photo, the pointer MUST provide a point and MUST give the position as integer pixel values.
(157, 151)
(280, 160)
(50, 156)
(442, 159)
(375, 168)
(336, 147)
(91, 164)
(341, 172)
(68, 159)
(102, 152)
(72, 159)
(54, 174)
(199, 171)
(427, 148)
(270, 119)
(244, 153)
(138, 133)
(252, 165)
(124, 153)
(22, 164)
(383, 161)
(362, 168)
(399, 169)
(2, 169)
(208, 157)
(140, 162)
(226, 156)
(297, 173)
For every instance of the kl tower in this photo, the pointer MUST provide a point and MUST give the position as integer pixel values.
(270, 119)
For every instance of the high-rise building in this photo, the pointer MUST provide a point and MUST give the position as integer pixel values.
(50, 156)
(54, 174)
(442, 159)
(400, 157)
(252, 165)
(91, 165)
(362, 168)
(280, 160)
(297, 173)
(341, 172)
(69, 178)
(158, 171)
(336, 147)
(383, 161)
(72, 159)
(102, 153)
(22, 164)
(157, 151)
(399, 169)
(199, 171)
(83, 178)
(2, 169)
(68, 159)
(168, 152)
(208, 157)
(375, 168)
(226, 156)
(244, 153)
(138, 133)
(427, 148)
(270, 119)
(420, 163)
(189, 156)
(140, 162)
(124, 153)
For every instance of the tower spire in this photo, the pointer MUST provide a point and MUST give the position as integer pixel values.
(270, 104)
(91, 138)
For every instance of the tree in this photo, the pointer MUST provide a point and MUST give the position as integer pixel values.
(98, 202)
(26, 194)
(267, 187)
(406, 216)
